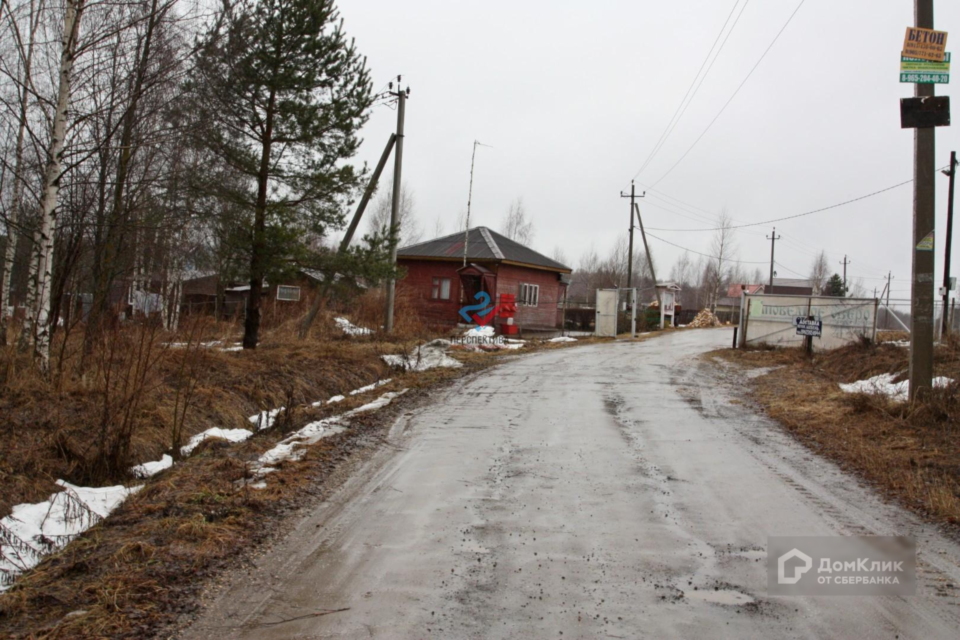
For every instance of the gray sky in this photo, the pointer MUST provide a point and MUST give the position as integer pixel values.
(573, 96)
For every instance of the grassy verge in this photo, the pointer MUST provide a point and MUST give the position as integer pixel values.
(910, 452)
(140, 572)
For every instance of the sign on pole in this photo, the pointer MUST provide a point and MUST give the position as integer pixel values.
(808, 327)
(925, 44)
(920, 71)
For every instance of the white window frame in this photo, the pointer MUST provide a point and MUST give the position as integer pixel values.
(281, 287)
(437, 288)
(529, 295)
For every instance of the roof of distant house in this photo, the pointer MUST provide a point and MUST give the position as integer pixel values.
(793, 282)
(733, 291)
(482, 244)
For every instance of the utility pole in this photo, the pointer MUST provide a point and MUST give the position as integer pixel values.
(773, 240)
(924, 223)
(466, 229)
(401, 95)
(646, 248)
(889, 284)
(845, 263)
(952, 172)
(633, 200)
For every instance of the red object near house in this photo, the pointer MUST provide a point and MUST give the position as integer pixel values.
(527, 286)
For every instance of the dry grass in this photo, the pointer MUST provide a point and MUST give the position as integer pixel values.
(141, 570)
(908, 451)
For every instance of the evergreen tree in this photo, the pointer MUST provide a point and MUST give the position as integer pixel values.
(280, 94)
(835, 287)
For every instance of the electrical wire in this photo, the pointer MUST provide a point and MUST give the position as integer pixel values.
(675, 119)
(764, 55)
(798, 215)
(705, 255)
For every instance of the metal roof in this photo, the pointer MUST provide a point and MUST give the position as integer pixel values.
(482, 244)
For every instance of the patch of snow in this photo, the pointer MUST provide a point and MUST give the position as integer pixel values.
(31, 531)
(884, 385)
(562, 339)
(293, 446)
(230, 435)
(148, 469)
(514, 341)
(480, 332)
(236, 347)
(426, 356)
(351, 329)
(369, 387)
(265, 419)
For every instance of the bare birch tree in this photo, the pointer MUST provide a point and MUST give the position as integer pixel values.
(723, 252)
(517, 225)
(51, 182)
(819, 272)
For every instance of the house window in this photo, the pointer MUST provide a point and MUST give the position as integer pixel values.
(441, 289)
(529, 295)
(290, 294)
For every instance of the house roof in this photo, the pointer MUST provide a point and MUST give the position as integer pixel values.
(482, 244)
(801, 283)
(733, 291)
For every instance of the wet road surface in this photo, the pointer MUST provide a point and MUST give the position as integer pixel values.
(605, 491)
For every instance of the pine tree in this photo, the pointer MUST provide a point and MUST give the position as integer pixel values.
(280, 95)
(835, 287)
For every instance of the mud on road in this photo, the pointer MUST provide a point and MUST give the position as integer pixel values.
(617, 490)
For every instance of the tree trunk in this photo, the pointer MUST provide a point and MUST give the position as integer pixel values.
(115, 224)
(51, 184)
(251, 328)
(16, 201)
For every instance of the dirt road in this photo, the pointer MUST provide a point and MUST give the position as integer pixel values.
(617, 490)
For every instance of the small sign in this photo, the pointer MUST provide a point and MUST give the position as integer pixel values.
(925, 44)
(920, 71)
(926, 244)
(952, 283)
(808, 327)
(924, 112)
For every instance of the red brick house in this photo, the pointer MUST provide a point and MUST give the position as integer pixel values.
(437, 279)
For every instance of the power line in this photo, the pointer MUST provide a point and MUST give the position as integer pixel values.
(675, 119)
(764, 55)
(798, 215)
(705, 255)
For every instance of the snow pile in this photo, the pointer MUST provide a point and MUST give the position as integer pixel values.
(426, 356)
(351, 329)
(293, 446)
(480, 332)
(230, 435)
(884, 385)
(266, 419)
(214, 344)
(562, 339)
(148, 469)
(369, 387)
(31, 531)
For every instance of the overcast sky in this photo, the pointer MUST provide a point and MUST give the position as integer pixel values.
(573, 96)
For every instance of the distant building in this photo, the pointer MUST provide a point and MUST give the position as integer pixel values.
(440, 284)
(730, 303)
(791, 286)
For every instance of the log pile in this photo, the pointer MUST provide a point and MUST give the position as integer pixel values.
(705, 319)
